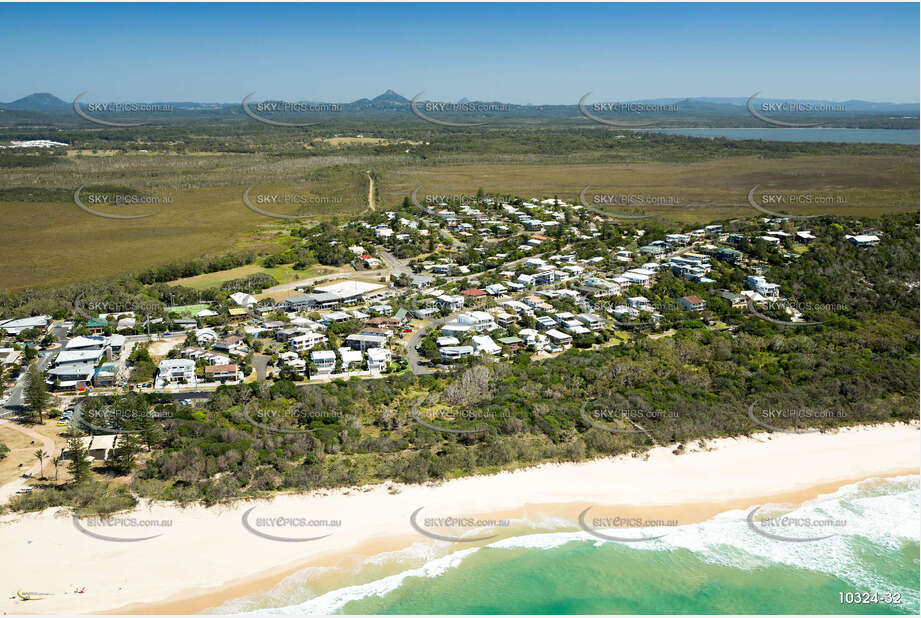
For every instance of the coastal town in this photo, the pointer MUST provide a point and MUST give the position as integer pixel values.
(480, 277)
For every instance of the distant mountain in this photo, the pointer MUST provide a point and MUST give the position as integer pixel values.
(390, 98)
(39, 102)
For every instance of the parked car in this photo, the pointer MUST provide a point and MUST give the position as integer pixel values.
(24, 489)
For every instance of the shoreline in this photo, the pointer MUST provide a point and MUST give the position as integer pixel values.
(191, 602)
(221, 561)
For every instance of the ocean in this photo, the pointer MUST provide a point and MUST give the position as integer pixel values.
(718, 566)
(911, 137)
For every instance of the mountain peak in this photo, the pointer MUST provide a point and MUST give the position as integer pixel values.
(390, 96)
(38, 102)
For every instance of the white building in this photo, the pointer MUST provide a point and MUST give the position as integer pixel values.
(177, 371)
(378, 359)
(483, 344)
(305, 342)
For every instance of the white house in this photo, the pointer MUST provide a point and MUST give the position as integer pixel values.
(483, 344)
(177, 370)
(305, 342)
(378, 359)
(242, 299)
(760, 285)
(325, 360)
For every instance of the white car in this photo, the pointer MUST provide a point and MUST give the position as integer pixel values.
(26, 489)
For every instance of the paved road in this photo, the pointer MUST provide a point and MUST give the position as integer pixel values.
(16, 402)
(396, 266)
(260, 361)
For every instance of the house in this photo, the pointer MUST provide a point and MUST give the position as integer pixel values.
(473, 293)
(477, 320)
(736, 300)
(863, 240)
(205, 336)
(378, 359)
(71, 375)
(325, 361)
(591, 321)
(364, 342)
(511, 342)
(496, 289)
(691, 303)
(421, 281)
(221, 373)
(105, 376)
(86, 343)
(805, 236)
(302, 343)
(16, 326)
(97, 325)
(545, 322)
(242, 299)
(728, 255)
(380, 310)
(350, 357)
(233, 345)
(483, 344)
(447, 341)
(559, 337)
(760, 285)
(293, 361)
(455, 352)
(238, 313)
(450, 302)
(176, 371)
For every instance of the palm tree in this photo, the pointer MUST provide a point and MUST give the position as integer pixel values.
(55, 461)
(40, 455)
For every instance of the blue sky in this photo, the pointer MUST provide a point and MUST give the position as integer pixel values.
(518, 53)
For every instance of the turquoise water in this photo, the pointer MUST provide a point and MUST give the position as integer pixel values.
(718, 566)
(845, 136)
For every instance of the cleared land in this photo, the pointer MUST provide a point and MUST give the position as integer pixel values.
(45, 239)
(706, 191)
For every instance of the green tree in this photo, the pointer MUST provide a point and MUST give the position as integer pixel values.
(36, 391)
(78, 466)
(41, 456)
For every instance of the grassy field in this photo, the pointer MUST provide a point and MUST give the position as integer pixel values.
(45, 239)
(707, 191)
(282, 274)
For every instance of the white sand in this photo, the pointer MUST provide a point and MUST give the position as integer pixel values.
(207, 548)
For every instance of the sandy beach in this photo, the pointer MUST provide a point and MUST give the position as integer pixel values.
(206, 556)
